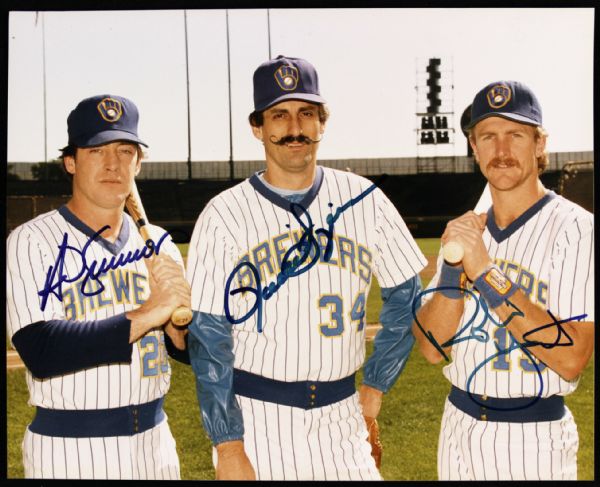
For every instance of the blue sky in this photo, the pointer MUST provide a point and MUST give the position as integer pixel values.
(368, 60)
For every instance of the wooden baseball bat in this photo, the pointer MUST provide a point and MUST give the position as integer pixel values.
(182, 315)
(453, 252)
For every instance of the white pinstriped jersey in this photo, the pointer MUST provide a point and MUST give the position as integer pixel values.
(31, 249)
(472, 449)
(549, 253)
(313, 326)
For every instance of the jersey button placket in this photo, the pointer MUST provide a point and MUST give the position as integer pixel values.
(135, 420)
(312, 396)
(483, 414)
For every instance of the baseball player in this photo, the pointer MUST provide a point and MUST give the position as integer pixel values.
(280, 268)
(516, 317)
(86, 304)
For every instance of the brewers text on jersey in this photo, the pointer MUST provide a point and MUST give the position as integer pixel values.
(55, 275)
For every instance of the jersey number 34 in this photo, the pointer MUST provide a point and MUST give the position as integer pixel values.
(335, 304)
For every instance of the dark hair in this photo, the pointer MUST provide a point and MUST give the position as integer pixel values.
(257, 119)
(68, 151)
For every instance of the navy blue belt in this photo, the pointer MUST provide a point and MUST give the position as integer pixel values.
(512, 410)
(90, 423)
(303, 394)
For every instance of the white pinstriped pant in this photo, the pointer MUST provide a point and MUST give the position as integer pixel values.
(288, 443)
(470, 449)
(150, 455)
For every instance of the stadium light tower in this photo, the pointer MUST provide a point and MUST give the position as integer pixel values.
(433, 84)
(434, 109)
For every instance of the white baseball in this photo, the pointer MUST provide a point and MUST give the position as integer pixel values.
(453, 252)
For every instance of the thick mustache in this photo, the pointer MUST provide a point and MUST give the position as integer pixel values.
(288, 139)
(497, 160)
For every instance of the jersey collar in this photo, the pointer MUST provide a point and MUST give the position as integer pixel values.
(113, 248)
(279, 200)
(500, 235)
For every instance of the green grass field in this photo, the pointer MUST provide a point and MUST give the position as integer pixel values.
(409, 421)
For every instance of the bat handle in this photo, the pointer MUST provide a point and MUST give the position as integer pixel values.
(453, 252)
(181, 316)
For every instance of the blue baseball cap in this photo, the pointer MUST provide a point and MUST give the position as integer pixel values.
(285, 78)
(506, 99)
(103, 119)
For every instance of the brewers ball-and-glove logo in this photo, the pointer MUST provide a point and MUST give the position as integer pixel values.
(110, 109)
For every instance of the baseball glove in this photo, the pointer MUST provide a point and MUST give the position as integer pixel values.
(376, 446)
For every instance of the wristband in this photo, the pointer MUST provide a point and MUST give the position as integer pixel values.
(494, 286)
(452, 278)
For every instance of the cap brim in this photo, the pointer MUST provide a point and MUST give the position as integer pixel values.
(107, 137)
(509, 116)
(292, 96)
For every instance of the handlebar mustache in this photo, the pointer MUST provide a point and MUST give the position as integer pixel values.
(288, 139)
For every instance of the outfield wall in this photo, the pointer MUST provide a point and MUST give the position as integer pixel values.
(426, 201)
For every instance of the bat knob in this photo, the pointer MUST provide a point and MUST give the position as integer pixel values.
(453, 252)
(181, 316)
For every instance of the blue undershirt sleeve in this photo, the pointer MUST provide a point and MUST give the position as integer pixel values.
(210, 346)
(57, 347)
(395, 340)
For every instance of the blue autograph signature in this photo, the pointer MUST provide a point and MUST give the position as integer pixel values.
(307, 246)
(478, 333)
(55, 277)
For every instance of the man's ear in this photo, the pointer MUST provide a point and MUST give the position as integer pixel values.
(138, 165)
(474, 147)
(258, 133)
(540, 146)
(69, 163)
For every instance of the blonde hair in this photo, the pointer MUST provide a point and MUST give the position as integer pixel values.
(544, 159)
